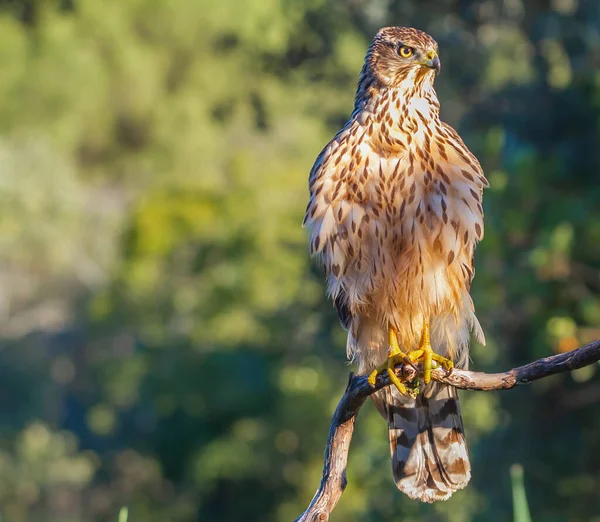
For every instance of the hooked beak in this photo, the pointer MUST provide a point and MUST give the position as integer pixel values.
(433, 62)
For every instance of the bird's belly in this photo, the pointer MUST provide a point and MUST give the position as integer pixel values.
(410, 272)
(422, 285)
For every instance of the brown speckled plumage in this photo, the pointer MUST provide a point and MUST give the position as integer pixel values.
(395, 214)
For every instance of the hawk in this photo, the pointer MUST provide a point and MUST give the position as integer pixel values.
(395, 214)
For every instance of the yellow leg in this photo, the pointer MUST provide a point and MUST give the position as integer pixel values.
(395, 356)
(427, 356)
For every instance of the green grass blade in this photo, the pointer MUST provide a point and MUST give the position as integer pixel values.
(123, 514)
(520, 506)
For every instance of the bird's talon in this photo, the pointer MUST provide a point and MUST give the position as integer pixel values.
(425, 355)
(442, 362)
(372, 379)
(396, 381)
(389, 367)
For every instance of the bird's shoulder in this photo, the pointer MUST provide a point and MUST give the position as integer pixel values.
(451, 137)
(346, 148)
(340, 194)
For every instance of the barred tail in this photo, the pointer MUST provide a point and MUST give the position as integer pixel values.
(430, 460)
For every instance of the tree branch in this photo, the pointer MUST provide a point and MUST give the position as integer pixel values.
(358, 389)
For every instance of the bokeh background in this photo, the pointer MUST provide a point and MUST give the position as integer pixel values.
(165, 342)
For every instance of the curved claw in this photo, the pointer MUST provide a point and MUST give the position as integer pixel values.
(427, 356)
(424, 354)
(430, 360)
(389, 366)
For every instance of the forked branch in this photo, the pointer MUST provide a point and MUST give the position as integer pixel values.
(334, 480)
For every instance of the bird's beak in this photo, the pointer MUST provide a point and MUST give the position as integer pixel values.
(433, 62)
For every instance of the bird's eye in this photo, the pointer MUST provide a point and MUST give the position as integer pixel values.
(405, 51)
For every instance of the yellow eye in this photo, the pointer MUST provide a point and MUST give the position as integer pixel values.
(405, 51)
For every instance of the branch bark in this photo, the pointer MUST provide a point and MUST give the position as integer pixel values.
(358, 389)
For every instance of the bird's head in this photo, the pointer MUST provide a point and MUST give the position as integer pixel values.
(400, 53)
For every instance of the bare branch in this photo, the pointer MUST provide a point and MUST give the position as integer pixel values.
(334, 479)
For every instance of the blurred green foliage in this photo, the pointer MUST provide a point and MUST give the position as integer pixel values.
(166, 344)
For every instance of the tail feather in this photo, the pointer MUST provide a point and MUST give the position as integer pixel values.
(430, 460)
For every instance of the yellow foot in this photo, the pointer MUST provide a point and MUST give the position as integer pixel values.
(396, 356)
(425, 354)
(388, 366)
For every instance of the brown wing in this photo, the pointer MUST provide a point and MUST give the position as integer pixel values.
(337, 211)
(473, 173)
(343, 309)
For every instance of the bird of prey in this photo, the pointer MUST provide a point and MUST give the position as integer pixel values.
(395, 214)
